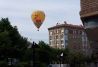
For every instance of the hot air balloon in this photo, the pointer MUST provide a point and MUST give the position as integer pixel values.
(38, 17)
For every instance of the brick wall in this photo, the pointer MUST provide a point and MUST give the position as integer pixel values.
(89, 7)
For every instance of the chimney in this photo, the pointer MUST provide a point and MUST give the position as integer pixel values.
(57, 23)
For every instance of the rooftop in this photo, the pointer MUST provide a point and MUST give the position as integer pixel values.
(65, 25)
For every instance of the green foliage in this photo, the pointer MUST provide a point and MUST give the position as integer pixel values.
(13, 45)
(3, 64)
(22, 64)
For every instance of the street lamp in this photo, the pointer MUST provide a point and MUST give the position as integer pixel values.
(34, 45)
(61, 58)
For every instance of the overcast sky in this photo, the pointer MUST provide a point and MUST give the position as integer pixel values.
(19, 13)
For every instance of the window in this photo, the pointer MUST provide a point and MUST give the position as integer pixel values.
(66, 42)
(51, 33)
(66, 31)
(66, 37)
(91, 23)
(50, 42)
(57, 43)
(62, 31)
(57, 37)
(74, 31)
(71, 31)
(83, 33)
(54, 32)
(50, 37)
(62, 42)
(59, 31)
(80, 32)
(63, 46)
(62, 36)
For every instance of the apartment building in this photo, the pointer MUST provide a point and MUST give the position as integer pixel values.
(69, 36)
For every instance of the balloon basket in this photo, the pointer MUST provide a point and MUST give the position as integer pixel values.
(38, 30)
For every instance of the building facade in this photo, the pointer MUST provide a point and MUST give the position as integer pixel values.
(69, 36)
(89, 17)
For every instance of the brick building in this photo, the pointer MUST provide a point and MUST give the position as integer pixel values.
(70, 36)
(89, 8)
(89, 17)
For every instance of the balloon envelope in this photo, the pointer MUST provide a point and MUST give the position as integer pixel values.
(38, 17)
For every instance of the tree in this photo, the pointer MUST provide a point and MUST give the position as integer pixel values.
(44, 53)
(12, 44)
